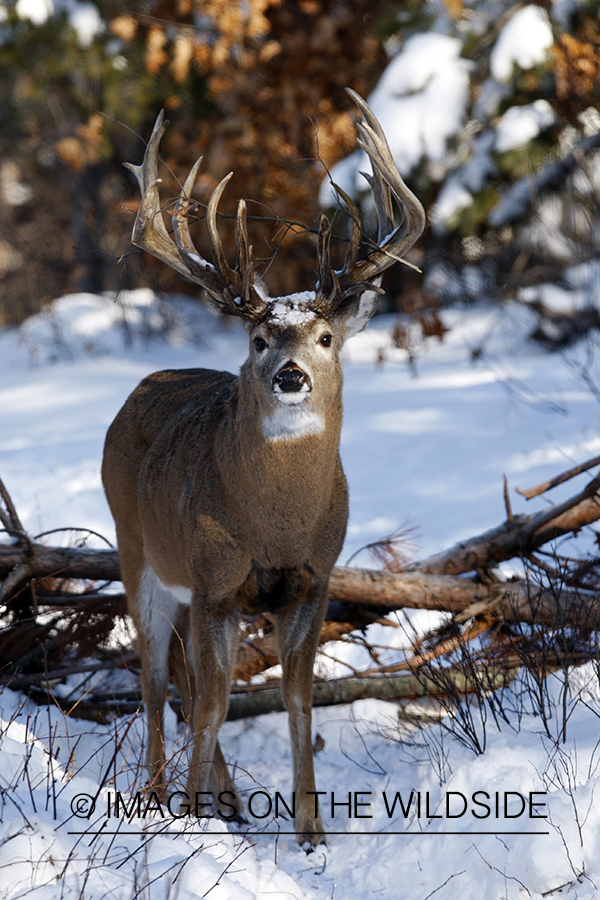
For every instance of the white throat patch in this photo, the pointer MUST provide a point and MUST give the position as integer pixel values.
(288, 423)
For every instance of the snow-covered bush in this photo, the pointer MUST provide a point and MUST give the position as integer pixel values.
(490, 111)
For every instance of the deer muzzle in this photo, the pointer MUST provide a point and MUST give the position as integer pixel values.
(290, 380)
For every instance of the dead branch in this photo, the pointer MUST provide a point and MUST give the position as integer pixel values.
(382, 592)
(441, 649)
(19, 564)
(510, 601)
(346, 690)
(559, 479)
(11, 523)
(518, 536)
(507, 506)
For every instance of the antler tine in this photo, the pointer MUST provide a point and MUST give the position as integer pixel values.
(199, 269)
(230, 290)
(382, 195)
(242, 244)
(149, 230)
(147, 173)
(386, 174)
(393, 242)
(382, 181)
(328, 284)
(254, 305)
(240, 297)
(353, 246)
(213, 233)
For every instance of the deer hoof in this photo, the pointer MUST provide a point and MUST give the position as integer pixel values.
(310, 841)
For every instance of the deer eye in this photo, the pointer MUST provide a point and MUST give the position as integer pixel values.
(260, 344)
(325, 340)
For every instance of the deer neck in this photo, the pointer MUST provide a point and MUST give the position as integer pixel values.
(285, 478)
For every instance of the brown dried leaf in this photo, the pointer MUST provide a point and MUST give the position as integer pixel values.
(432, 325)
(124, 27)
(156, 56)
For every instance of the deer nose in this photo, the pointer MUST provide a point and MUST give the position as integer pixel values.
(290, 379)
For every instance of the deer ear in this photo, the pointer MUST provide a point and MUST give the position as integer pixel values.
(352, 315)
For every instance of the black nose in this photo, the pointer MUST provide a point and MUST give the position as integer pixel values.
(290, 378)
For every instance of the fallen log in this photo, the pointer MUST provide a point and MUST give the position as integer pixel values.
(381, 591)
(518, 536)
(357, 596)
(356, 593)
(509, 601)
(258, 700)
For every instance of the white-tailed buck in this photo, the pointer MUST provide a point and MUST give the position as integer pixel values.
(228, 492)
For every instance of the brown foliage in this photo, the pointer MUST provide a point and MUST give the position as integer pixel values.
(276, 72)
(577, 69)
(249, 86)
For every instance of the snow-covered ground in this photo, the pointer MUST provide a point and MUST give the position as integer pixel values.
(427, 443)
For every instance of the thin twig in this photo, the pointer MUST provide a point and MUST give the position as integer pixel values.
(10, 507)
(507, 505)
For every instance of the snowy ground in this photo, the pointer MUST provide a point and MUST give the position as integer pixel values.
(428, 444)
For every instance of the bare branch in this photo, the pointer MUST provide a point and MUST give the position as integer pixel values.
(559, 479)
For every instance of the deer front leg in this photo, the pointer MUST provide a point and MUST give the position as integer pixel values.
(297, 639)
(216, 636)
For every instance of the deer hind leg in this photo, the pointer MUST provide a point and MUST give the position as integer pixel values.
(297, 631)
(216, 638)
(156, 617)
(181, 666)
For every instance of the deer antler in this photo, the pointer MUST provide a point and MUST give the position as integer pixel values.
(393, 242)
(240, 291)
(233, 291)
